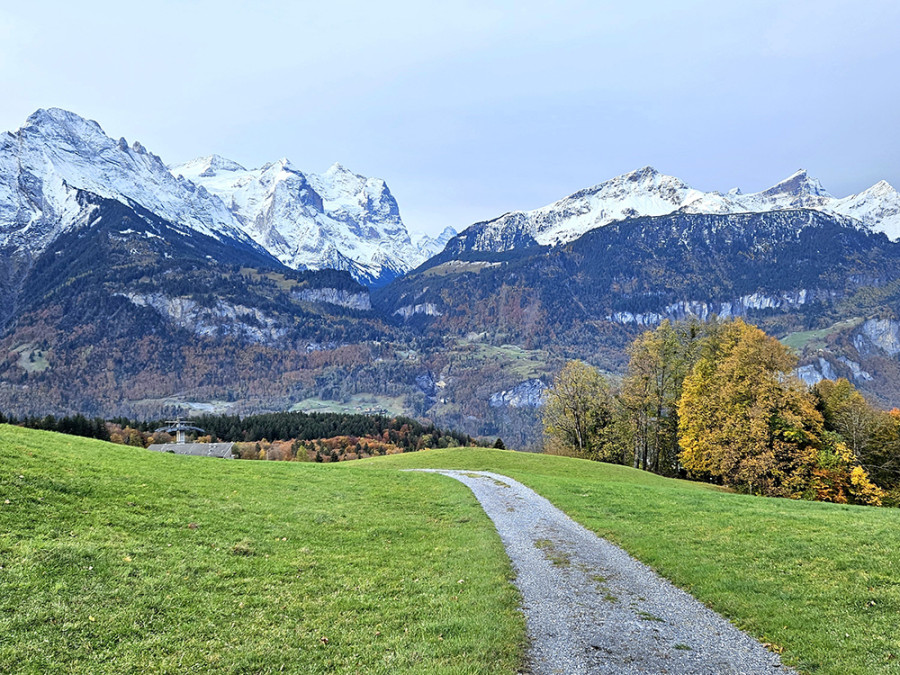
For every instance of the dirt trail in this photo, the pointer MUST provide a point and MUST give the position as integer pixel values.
(592, 608)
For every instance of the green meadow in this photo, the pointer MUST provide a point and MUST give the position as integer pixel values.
(114, 559)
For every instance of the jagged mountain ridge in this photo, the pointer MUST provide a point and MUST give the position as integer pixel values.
(57, 153)
(647, 192)
(631, 271)
(309, 221)
(789, 270)
(354, 224)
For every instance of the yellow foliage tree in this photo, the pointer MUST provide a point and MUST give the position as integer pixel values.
(743, 419)
(578, 412)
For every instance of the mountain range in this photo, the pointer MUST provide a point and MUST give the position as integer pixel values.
(337, 220)
(129, 287)
(647, 192)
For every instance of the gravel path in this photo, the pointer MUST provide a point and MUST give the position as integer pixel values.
(592, 608)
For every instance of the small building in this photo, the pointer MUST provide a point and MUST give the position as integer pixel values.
(180, 427)
(223, 450)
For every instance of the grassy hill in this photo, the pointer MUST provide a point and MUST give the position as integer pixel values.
(113, 559)
(820, 581)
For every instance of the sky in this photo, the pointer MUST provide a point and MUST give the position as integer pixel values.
(472, 109)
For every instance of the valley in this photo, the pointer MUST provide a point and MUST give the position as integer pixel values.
(449, 339)
(132, 288)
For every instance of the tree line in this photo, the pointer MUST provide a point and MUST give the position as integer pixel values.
(718, 402)
(75, 425)
(364, 435)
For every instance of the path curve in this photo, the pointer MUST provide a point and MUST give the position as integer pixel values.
(592, 608)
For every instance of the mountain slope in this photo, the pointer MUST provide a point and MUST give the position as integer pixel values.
(788, 270)
(128, 307)
(646, 192)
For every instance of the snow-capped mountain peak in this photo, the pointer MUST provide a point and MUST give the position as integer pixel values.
(429, 246)
(210, 166)
(644, 191)
(798, 184)
(647, 192)
(57, 152)
(335, 219)
(877, 206)
(336, 168)
(881, 189)
(62, 123)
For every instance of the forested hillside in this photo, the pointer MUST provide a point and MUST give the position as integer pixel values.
(132, 315)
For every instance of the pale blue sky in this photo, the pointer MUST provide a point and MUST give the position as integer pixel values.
(470, 109)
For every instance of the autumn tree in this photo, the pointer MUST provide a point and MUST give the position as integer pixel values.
(837, 477)
(871, 434)
(743, 418)
(883, 459)
(659, 360)
(579, 412)
(847, 412)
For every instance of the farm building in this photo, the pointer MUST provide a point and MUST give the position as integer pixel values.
(223, 450)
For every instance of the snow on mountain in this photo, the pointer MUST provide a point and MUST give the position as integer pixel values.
(647, 192)
(56, 153)
(642, 192)
(428, 246)
(879, 206)
(335, 219)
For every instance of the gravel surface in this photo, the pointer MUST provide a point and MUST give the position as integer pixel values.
(592, 608)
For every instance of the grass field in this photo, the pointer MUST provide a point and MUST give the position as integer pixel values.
(356, 404)
(820, 581)
(523, 363)
(811, 340)
(113, 559)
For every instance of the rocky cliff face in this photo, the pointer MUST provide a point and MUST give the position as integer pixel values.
(223, 319)
(335, 296)
(527, 394)
(879, 334)
(741, 307)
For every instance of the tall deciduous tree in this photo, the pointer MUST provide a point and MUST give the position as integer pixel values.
(846, 412)
(743, 418)
(579, 411)
(659, 361)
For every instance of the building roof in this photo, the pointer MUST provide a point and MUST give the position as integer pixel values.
(223, 450)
